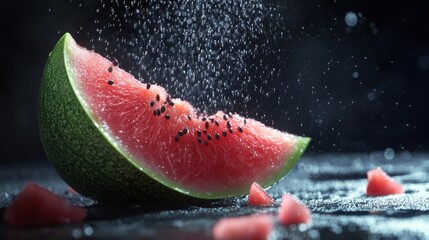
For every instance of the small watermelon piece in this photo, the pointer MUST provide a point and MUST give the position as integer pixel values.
(118, 140)
(292, 211)
(253, 227)
(36, 206)
(381, 184)
(258, 196)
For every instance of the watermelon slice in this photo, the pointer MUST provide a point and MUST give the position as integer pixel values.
(381, 184)
(253, 227)
(292, 211)
(258, 196)
(116, 139)
(36, 206)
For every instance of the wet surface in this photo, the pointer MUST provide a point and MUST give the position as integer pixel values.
(332, 185)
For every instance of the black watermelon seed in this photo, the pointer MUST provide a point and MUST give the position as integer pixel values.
(244, 121)
(207, 125)
(216, 123)
(199, 133)
(147, 85)
(217, 136)
(239, 129)
(199, 139)
(211, 120)
(171, 103)
(115, 63)
(167, 116)
(110, 82)
(180, 133)
(204, 131)
(157, 97)
(162, 109)
(168, 99)
(230, 131)
(228, 124)
(225, 117)
(206, 142)
(110, 69)
(158, 112)
(152, 103)
(189, 117)
(185, 130)
(177, 138)
(224, 133)
(154, 112)
(230, 115)
(203, 119)
(209, 137)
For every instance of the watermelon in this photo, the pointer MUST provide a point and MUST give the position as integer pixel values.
(292, 211)
(36, 206)
(258, 196)
(253, 227)
(381, 184)
(118, 140)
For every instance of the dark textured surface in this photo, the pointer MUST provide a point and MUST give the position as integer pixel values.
(333, 186)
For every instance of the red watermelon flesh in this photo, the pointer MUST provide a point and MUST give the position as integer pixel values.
(253, 227)
(258, 196)
(381, 184)
(36, 206)
(292, 211)
(212, 156)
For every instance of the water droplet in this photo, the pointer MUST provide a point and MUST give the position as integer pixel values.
(389, 153)
(371, 96)
(351, 19)
(355, 74)
(88, 230)
(77, 233)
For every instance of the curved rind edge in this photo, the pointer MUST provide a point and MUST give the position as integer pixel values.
(65, 128)
(300, 147)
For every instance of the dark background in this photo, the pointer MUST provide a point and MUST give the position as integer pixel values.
(384, 107)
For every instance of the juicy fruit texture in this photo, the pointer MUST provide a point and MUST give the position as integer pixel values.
(116, 139)
(258, 196)
(293, 211)
(381, 184)
(36, 206)
(167, 138)
(253, 227)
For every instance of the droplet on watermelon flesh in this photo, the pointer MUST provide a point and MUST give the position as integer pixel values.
(258, 196)
(36, 206)
(381, 184)
(253, 227)
(133, 141)
(292, 211)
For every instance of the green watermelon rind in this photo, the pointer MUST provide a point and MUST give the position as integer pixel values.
(89, 160)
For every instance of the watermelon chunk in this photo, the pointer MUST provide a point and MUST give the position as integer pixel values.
(381, 184)
(116, 139)
(292, 211)
(36, 206)
(253, 227)
(258, 196)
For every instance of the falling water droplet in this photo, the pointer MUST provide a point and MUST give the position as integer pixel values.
(351, 19)
(389, 153)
